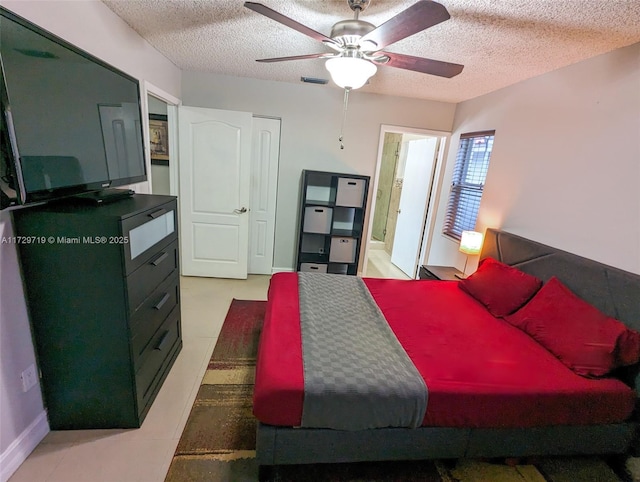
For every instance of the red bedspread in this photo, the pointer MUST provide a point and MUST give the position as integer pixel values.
(479, 370)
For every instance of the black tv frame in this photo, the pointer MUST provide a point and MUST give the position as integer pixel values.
(22, 196)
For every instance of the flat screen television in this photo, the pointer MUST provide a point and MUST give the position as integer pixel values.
(71, 124)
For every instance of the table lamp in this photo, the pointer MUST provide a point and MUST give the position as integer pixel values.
(470, 243)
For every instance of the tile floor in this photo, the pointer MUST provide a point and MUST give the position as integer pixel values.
(379, 265)
(144, 454)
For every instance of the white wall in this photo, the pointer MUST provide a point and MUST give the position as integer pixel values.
(565, 167)
(311, 117)
(91, 26)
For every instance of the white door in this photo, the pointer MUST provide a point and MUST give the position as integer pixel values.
(265, 151)
(416, 184)
(215, 163)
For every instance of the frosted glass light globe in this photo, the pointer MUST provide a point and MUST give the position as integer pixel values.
(350, 72)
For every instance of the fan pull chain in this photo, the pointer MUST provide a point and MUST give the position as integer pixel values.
(344, 115)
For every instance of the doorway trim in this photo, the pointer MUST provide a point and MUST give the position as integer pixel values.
(436, 187)
(172, 117)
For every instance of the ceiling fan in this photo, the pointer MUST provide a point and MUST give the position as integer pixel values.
(358, 44)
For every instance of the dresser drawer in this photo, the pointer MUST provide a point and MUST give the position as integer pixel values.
(146, 232)
(142, 282)
(157, 355)
(151, 314)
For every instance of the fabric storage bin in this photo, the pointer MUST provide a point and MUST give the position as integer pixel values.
(317, 219)
(343, 250)
(313, 268)
(350, 192)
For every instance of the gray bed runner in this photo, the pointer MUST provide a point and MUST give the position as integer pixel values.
(356, 374)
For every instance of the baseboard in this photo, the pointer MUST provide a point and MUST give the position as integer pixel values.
(281, 270)
(18, 451)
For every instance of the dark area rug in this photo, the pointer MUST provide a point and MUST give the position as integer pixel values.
(219, 439)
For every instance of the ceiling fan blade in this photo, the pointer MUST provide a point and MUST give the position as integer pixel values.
(284, 20)
(414, 19)
(298, 57)
(420, 64)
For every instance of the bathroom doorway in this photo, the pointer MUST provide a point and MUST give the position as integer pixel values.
(409, 165)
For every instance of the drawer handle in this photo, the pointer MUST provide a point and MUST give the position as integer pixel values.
(313, 267)
(162, 341)
(161, 303)
(160, 259)
(351, 183)
(319, 210)
(157, 213)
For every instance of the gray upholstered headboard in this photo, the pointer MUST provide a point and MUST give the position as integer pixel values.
(612, 290)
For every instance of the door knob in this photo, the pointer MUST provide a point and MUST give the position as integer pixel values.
(240, 211)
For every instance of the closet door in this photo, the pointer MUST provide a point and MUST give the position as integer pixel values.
(265, 152)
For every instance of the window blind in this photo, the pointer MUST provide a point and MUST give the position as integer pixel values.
(469, 175)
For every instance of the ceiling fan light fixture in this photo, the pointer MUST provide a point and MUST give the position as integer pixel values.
(350, 72)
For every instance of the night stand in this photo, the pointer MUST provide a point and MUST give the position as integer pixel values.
(445, 273)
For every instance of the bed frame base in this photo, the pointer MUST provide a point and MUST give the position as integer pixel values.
(612, 290)
(286, 445)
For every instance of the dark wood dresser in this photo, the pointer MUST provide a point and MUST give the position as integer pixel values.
(103, 291)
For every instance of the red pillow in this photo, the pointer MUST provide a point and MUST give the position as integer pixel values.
(501, 288)
(582, 337)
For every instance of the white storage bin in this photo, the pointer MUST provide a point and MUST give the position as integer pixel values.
(343, 250)
(317, 219)
(350, 192)
(313, 268)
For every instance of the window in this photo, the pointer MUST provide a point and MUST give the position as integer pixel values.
(470, 172)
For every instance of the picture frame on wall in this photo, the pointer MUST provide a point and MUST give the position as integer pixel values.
(159, 139)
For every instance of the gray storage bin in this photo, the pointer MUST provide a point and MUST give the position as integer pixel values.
(313, 268)
(317, 219)
(350, 192)
(343, 250)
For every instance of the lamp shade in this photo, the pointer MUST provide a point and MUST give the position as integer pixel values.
(350, 72)
(471, 242)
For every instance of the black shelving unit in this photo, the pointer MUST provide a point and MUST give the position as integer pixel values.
(332, 215)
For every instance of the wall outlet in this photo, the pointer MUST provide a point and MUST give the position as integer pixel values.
(29, 378)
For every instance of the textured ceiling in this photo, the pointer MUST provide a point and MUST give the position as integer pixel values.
(500, 42)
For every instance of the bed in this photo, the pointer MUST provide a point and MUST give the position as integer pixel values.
(516, 399)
